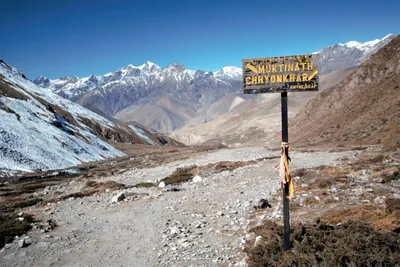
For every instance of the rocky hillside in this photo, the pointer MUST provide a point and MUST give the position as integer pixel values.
(363, 109)
(40, 130)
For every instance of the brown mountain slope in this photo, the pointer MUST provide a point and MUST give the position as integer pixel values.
(253, 121)
(362, 109)
(163, 116)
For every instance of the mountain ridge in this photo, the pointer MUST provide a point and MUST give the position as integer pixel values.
(41, 130)
(131, 89)
(149, 66)
(362, 110)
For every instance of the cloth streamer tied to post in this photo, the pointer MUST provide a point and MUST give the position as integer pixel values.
(284, 171)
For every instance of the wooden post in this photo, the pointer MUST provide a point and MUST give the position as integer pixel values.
(285, 193)
(286, 78)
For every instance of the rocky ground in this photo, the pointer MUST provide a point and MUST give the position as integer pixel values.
(205, 221)
(344, 215)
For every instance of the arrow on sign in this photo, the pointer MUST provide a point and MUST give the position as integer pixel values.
(312, 75)
(251, 67)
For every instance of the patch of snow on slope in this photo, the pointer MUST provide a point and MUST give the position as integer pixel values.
(35, 142)
(75, 109)
(142, 135)
(33, 137)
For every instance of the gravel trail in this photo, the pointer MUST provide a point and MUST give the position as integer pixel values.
(203, 224)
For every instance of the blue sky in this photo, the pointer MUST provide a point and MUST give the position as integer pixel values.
(65, 38)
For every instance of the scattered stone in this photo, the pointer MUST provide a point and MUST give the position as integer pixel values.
(242, 262)
(262, 204)
(181, 241)
(247, 204)
(197, 179)
(333, 189)
(175, 230)
(258, 240)
(379, 200)
(185, 244)
(22, 243)
(170, 188)
(119, 197)
(51, 224)
(161, 185)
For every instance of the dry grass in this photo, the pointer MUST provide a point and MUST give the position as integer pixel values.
(181, 175)
(99, 187)
(93, 187)
(294, 206)
(350, 244)
(144, 185)
(374, 215)
(12, 204)
(11, 227)
(347, 233)
(310, 201)
(187, 173)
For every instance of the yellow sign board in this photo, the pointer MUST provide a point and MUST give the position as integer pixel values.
(276, 74)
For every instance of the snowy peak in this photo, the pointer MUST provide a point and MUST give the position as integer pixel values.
(6, 69)
(149, 67)
(176, 66)
(362, 46)
(41, 80)
(350, 54)
(366, 46)
(231, 72)
(389, 36)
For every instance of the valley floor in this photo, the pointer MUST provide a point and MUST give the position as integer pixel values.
(206, 223)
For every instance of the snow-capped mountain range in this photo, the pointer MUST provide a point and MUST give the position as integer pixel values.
(133, 88)
(350, 54)
(146, 85)
(41, 130)
(136, 82)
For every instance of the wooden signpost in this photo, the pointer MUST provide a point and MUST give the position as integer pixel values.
(282, 74)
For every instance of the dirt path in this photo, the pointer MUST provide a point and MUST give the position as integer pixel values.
(200, 225)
